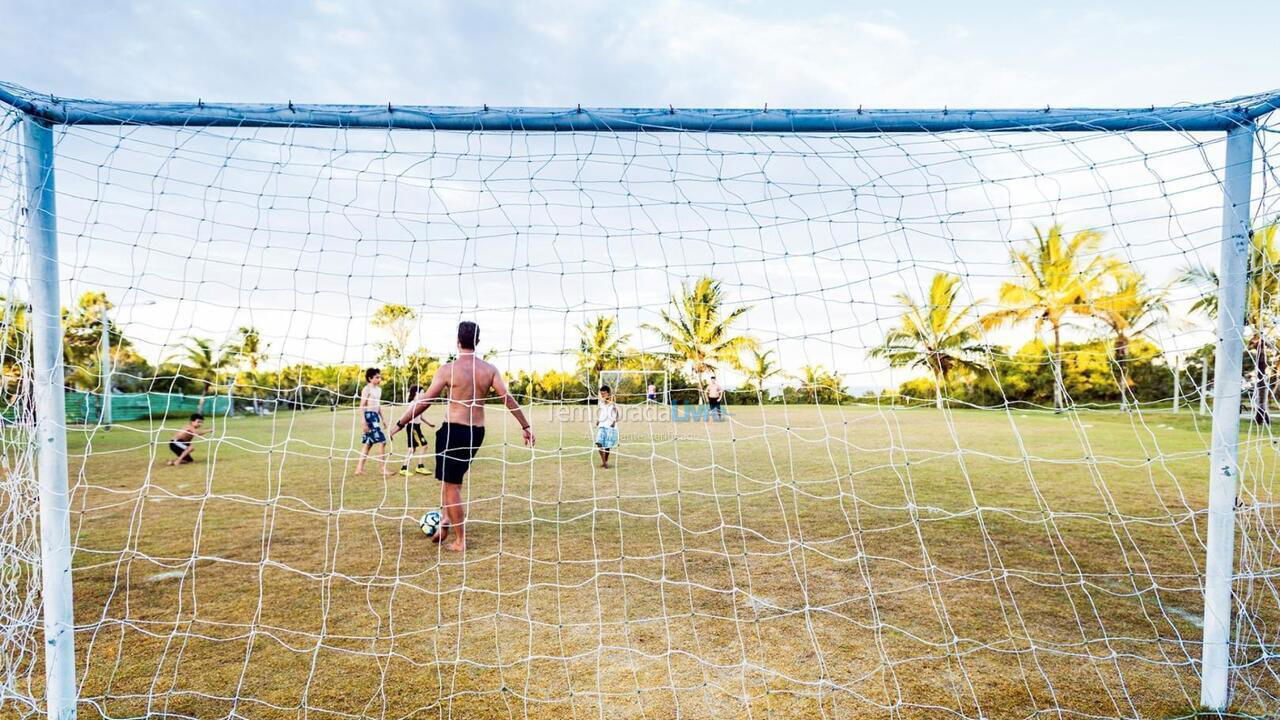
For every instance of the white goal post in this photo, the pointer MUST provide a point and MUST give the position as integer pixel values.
(793, 561)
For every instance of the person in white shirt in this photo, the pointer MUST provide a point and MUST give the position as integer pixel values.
(606, 425)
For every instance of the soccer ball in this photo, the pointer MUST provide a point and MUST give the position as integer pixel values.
(430, 524)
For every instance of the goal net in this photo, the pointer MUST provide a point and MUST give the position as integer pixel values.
(950, 480)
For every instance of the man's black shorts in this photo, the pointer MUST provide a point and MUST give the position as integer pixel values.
(415, 437)
(456, 446)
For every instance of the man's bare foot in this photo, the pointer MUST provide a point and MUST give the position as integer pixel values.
(359, 472)
(604, 466)
(458, 545)
(442, 533)
(171, 462)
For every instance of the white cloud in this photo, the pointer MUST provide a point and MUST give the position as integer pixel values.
(882, 32)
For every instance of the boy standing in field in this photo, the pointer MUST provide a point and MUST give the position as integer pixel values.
(416, 440)
(606, 425)
(184, 441)
(371, 413)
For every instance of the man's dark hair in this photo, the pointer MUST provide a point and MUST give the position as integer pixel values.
(605, 388)
(368, 374)
(196, 416)
(413, 391)
(468, 335)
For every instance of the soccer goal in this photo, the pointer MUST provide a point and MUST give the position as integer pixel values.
(634, 387)
(971, 489)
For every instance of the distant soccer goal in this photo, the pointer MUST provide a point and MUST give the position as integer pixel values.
(300, 418)
(632, 387)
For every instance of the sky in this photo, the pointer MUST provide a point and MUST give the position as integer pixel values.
(539, 287)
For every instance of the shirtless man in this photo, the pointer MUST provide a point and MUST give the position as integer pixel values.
(468, 380)
(715, 394)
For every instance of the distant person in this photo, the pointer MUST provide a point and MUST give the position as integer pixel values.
(416, 440)
(715, 394)
(371, 415)
(184, 441)
(468, 380)
(651, 393)
(606, 426)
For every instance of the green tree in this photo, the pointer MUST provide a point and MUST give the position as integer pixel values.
(203, 363)
(699, 331)
(1056, 278)
(245, 353)
(13, 334)
(1262, 296)
(817, 385)
(246, 350)
(397, 321)
(600, 346)
(82, 340)
(759, 368)
(1262, 308)
(937, 335)
(1130, 309)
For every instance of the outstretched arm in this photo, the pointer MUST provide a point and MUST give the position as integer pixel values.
(422, 402)
(500, 387)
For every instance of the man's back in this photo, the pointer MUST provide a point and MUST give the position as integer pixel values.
(469, 380)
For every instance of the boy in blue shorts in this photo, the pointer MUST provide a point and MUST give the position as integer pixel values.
(606, 425)
(371, 416)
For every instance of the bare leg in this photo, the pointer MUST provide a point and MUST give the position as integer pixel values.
(383, 456)
(442, 532)
(185, 457)
(364, 455)
(457, 515)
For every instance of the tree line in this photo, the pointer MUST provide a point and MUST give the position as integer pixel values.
(1058, 280)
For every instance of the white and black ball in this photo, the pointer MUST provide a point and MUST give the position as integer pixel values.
(430, 523)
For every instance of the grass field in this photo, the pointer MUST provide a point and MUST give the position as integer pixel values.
(796, 562)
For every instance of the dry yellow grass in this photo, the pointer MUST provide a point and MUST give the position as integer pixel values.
(796, 562)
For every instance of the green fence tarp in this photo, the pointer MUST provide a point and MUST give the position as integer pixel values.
(86, 408)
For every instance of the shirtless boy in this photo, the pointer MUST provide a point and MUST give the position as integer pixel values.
(184, 441)
(468, 380)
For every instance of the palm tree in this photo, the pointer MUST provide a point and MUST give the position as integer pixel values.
(698, 330)
(600, 346)
(1130, 309)
(246, 350)
(937, 335)
(1056, 278)
(1262, 303)
(759, 368)
(203, 362)
(819, 384)
(1262, 306)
